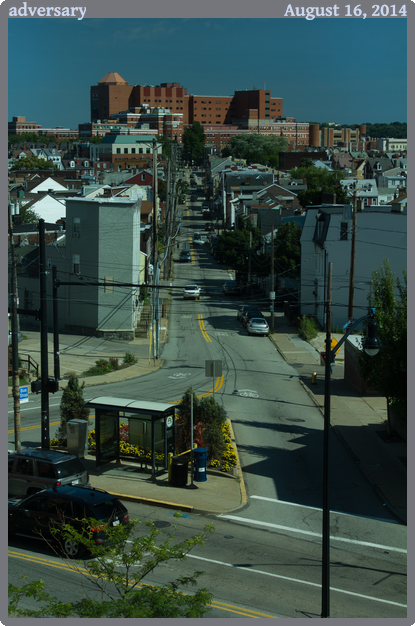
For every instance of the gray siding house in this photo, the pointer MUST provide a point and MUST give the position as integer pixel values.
(102, 244)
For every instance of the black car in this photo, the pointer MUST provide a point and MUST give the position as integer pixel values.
(231, 287)
(248, 315)
(37, 515)
(185, 256)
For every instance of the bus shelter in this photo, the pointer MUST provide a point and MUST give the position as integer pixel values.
(151, 427)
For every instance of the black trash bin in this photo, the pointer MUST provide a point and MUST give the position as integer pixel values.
(179, 471)
(200, 464)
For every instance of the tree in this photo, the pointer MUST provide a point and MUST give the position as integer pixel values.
(96, 139)
(72, 405)
(28, 215)
(319, 181)
(387, 371)
(165, 146)
(288, 249)
(255, 148)
(32, 163)
(208, 420)
(193, 140)
(114, 572)
(213, 417)
(234, 249)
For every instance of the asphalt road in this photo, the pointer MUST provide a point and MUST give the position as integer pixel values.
(266, 557)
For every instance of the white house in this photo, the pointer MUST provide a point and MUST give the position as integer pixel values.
(381, 233)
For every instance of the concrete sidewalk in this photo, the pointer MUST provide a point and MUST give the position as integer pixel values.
(359, 421)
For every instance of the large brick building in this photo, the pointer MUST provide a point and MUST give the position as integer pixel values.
(113, 95)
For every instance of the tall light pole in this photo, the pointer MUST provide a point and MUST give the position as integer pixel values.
(371, 346)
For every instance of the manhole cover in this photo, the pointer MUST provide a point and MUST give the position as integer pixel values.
(160, 524)
(294, 419)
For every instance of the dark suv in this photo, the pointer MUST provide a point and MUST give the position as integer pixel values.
(50, 509)
(34, 469)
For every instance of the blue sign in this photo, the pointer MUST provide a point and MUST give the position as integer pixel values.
(24, 394)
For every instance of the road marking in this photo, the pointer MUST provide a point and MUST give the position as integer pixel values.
(203, 329)
(312, 534)
(295, 580)
(248, 393)
(314, 508)
(77, 569)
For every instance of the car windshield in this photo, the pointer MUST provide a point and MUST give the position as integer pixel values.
(69, 468)
(191, 287)
(104, 511)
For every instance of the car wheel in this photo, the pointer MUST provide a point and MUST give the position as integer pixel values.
(73, 548)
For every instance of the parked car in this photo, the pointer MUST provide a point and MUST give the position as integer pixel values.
(257, 326)
(209, 226)
(248, 315)
(37, 515)
(191, 292)
(199, 239)
(193, 197)
(231, 287)
(243, 308)
(34, 469)
(185, 256)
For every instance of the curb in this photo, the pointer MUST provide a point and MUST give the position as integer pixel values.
(242, 487)
(169, 505)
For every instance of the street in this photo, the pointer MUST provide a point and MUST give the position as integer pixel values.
(263, 560)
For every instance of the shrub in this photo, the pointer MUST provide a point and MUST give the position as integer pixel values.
(129, 358)
(308, 327)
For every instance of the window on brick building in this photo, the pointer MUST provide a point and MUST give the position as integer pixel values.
(76, 263)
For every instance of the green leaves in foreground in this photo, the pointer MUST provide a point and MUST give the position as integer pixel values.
(117, 570)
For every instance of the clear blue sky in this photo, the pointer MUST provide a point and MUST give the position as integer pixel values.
(326, 70)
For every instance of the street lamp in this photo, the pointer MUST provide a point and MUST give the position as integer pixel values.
(371, 346)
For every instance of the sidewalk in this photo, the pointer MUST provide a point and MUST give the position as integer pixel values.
(359, 421)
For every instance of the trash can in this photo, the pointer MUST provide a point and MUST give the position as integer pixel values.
(200, 463)
(179, 470)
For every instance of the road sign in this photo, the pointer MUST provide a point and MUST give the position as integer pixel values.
(24, 394)
(209, 368)
(333, 344)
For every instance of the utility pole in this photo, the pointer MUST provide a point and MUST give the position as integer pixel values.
(249, 261)
(325, 582)
(352, 261)
(272, 279)
(43, 339)
(56, 352)
(15, 339)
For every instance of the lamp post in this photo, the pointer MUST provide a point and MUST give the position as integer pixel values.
(371, 346)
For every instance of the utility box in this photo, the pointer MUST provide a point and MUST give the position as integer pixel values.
(200, 461)
(77, 432)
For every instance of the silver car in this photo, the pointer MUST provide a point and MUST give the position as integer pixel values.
(34, 469)
(257, 326)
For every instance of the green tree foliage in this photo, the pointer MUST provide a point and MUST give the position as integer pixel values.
(213, 417)
(234, 249)
(72, 405)
(319, 181)
(165, 146)
(387, 371)
(31, 138)
(287, 256)
(193, 140)
(255, 148)
(208, 419)
(96, 139)
(28, 215)
(182, 189)
(396, 130)
(117, 571)
(32, 163)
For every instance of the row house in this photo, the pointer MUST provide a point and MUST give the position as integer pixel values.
(326, 237)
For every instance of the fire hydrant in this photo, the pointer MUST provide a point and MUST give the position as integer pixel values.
(314, 378)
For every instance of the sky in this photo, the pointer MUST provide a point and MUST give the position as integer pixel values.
(325, 70)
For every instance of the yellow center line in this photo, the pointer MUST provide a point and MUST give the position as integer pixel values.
(203, 329)
(78, 569)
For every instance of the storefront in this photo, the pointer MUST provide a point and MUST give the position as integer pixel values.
(151, 428)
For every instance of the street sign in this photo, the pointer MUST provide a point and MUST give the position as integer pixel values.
(209, 368)
(272, 295)
(333, 344)
(24, 394)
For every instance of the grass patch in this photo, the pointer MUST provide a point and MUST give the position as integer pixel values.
(308, 327)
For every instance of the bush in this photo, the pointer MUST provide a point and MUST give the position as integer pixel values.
(308, 327)
(129, 358)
